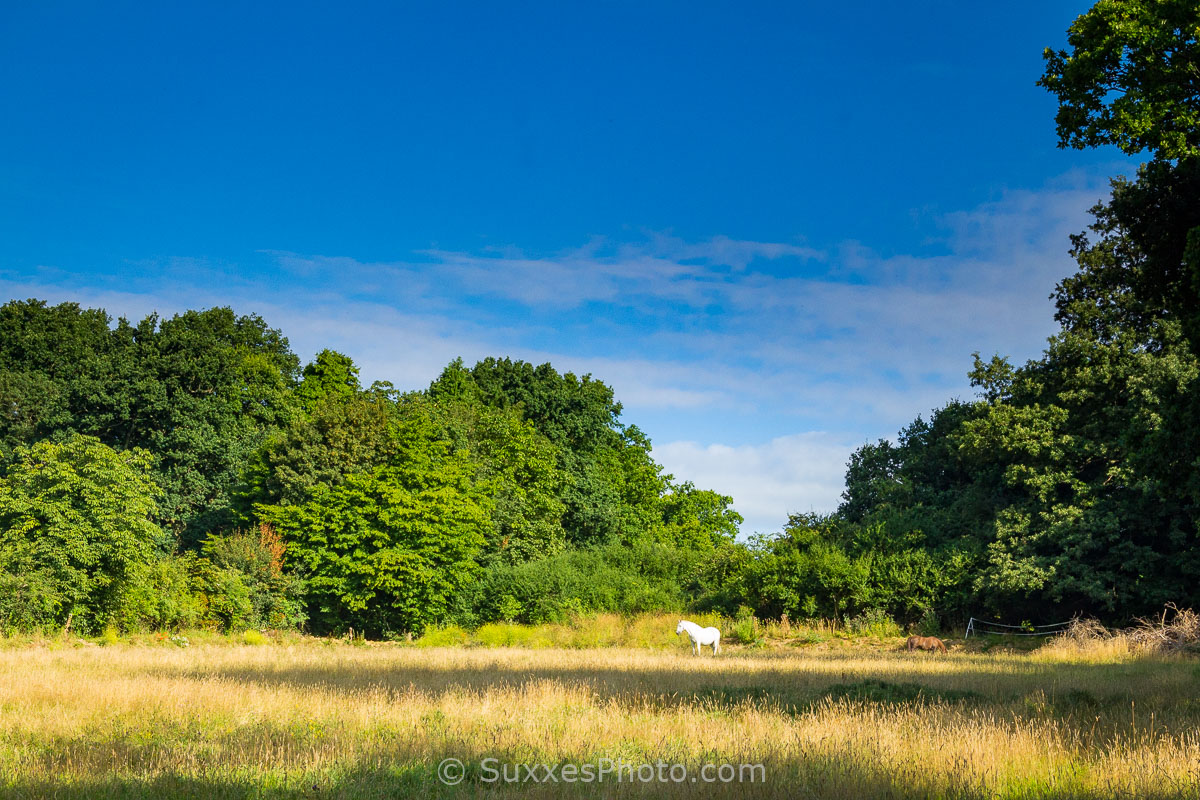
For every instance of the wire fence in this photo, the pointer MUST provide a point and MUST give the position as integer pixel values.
(982, 626)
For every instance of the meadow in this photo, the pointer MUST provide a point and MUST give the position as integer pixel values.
(826, 715)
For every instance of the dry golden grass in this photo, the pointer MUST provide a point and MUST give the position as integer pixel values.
(321, 719)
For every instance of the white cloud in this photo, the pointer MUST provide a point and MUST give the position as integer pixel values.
(788, 474)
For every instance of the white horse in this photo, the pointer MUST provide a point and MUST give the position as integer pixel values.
(700, 636)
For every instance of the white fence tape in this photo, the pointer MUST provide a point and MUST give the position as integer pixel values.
(980, 626)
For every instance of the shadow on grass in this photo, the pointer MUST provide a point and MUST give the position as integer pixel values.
(826, 776)
(787, 689)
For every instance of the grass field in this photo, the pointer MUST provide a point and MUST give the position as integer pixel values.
(317, 718)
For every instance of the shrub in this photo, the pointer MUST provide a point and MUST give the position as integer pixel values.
(29, 601)
(874, 622)
(747, 630)
(614, 578)
(161, 596)
(244, 582)
(508, 608)
(253, 637)
(226, 596)
(500, 634)
(928, 624)
(446, 636)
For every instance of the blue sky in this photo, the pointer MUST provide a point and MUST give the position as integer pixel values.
(778, 230)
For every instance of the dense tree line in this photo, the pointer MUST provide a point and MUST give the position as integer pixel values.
(187, 471)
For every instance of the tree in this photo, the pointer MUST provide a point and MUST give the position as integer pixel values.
(331, 374)
(1131, 78)
(341, 435)
(51, 359)
(75, 525)
(700, 520)
(200, 391)
(519, 467)
(388, 550)
(607, 468)
(215, 384)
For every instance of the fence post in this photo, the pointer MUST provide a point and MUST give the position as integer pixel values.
(970, 625)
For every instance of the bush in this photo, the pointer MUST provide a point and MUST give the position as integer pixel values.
(244, 583)
(500, 634)
(509, 634)
(874, 622)
(253, 637)
(226, 595)
(748, 630)
(614, 578)
(929, 624)
(161, 596)
(446, 636)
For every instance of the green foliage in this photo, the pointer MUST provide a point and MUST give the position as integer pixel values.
(243, 580)
(519, 466)
(199, 391)
(389, 549)
(929, 624)
(747, 630)
(1129, 78)
(874, 622)
(608, 484)
(397, 511)
(253, 638)
(330, 375)
(509, 608)
(614, 578)
(29, 601)
(828, 566)
(697, 519)
(75, 528)
(162, 596)
(443, 636)
(342, 435)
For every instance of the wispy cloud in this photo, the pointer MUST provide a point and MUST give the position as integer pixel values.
(755, 366)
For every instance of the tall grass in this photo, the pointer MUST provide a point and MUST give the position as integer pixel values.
(323, 719)
(651, 631)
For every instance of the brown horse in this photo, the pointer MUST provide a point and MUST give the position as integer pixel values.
(926, 643)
